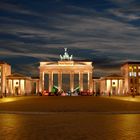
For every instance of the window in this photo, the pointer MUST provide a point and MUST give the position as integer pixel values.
(139, 67)
(138, 73)
(134, 74)
(130, 67)
(130, 74)
(131, 89)
(135, 67)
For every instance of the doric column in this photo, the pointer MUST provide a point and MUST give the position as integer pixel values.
(105, 85)
(81, 81)
(25, 86)
(13, 90)
(90, 82)
(110, 86)
(7, 86)
(118, 87)
(71, 81)
(59, 81)
(37, 86)
(20, 87)
(50, 81)
(41, 81)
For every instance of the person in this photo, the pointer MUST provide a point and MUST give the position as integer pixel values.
(109, 94)
(133, 95)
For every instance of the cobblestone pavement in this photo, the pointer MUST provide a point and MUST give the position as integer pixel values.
(69, 126)
(70, 104)
(70, 118)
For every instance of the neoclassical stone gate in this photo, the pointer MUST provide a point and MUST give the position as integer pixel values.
(66, 65)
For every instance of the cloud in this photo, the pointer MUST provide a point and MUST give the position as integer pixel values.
(86, 33)
(125, 15)
(122, 1)
(17, 8)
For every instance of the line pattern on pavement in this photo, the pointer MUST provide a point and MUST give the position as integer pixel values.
(50, 113)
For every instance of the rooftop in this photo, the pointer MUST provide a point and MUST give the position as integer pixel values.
(131, 62)
(112, 76)
(3, 62)
(17, 75)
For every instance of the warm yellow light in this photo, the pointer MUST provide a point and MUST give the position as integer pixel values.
(130, 67)
(108, 85)
(130, 99)
(5, 100)
(135, 67)
(114, 83)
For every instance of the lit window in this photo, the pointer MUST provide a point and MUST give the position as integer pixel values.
(135, 67)
(138, 73)
(130, 74)
(139, 67)
(130, 67)
(134, 74)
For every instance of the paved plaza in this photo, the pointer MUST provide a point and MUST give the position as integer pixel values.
(69, 118)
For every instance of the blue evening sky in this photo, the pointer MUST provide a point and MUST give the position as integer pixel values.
(106, 32)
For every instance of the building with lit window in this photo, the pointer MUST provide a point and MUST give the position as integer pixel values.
(5, 69)
(112, 85)
(96, 85)
(69, 76)
(18, 84)
(66, 74)
(131, 74)
(35, 85)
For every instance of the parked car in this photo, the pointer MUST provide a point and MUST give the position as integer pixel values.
(86, 93)
(63, 94)
(45, 92)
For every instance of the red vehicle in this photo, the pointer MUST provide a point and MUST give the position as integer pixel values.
(86, 93)
(45, 92)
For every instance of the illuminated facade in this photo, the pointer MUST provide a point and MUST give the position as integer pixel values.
(131, 74)
(5, 69)
(96, 85)
(18, 84)
(68, 75)
(112, 85)
(35, 85)
(66, 67)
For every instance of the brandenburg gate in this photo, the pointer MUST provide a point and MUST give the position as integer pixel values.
(66, 65)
